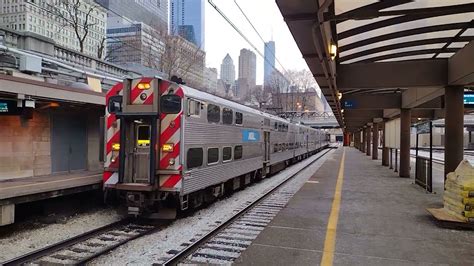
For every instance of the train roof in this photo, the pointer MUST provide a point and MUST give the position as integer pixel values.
(201, 95)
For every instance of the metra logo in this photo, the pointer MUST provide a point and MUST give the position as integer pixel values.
(250, 135)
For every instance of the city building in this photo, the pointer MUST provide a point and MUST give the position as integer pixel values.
(47, 18)
(299, 101)
(184, 59)
(150, 12)
(247, 72)
(133, 44)
(210, 82)
(228, 71)
(269, 61)
(187, 20)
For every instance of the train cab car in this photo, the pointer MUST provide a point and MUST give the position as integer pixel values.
(170, 147)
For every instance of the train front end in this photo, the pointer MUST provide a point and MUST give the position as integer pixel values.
(143, 138)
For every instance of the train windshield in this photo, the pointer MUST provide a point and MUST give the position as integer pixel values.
(170, 104)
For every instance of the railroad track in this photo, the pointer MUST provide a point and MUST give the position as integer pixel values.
(227, 241)
(87, 246)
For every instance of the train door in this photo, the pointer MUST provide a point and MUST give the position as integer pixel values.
(138, 152)
(266, 140)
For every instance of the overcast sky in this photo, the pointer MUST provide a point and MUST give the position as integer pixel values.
(221, 38)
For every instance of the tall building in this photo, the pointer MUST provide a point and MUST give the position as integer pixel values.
(150, 12)
(228, 70)
(187, 20)
(210, 79)
(247, 72)
(133, 44)
(47, 19)
(269, 62)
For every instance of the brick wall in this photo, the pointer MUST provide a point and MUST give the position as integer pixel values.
(25, 147)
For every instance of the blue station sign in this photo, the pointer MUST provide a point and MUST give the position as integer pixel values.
(469, 99)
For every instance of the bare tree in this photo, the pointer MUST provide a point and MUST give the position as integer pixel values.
(77, 15)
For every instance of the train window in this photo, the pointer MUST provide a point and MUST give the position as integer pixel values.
(276, 125)
(238, 152)
(213, 113)
(194, 158)
(227, 116)
(266, 122)
(239, 118)
(170, 104)
(194, 108)
(115, 104)
(227, 154)
(212, 155)
(143, 136)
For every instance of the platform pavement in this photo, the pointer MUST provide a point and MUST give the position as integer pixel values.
(382, 221)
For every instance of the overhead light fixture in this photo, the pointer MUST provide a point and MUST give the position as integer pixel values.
(342, 110)
(339, 95)
(333, 51)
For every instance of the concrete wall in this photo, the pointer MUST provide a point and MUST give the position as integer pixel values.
(93, 142)
(25, 148)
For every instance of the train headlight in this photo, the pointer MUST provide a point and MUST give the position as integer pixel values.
(171, 161)
(116, 146)
(143, 86)
(168, 147)
(112, 160)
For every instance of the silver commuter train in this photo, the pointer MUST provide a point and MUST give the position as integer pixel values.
(171, 147)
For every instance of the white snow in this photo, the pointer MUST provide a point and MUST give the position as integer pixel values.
(25, 241)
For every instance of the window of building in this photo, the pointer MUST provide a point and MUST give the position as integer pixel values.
(238, 152)
(213, 113)
(212, 155)
(239, 118)
(226, 154)
(227, 116)
(194, 158)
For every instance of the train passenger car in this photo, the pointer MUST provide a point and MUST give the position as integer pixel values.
(171, 147)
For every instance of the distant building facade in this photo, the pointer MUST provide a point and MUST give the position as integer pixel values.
(38, 17)
(187, 20)
(133, 44)
(247, 72)
(150, 12)
(298, 101)
(228, 70)
(269, 61)
(210, 79)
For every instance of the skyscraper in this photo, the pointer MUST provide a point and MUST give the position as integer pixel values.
(247, 72)
(150, 12)
(228, 70)
(187, 20)
(269, 62)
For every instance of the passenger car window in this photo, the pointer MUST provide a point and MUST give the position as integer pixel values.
(194, 108)
(227, 154)
(238, 152)
(194, 157)
(212, 155)
(170, 104)
(227, 116)
(213, 113)
(239, 118)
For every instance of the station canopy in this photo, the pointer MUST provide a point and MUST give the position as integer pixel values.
(371, 58)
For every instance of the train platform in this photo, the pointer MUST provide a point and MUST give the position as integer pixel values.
(28, 189)
(354, 211)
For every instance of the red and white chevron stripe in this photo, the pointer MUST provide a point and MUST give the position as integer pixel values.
(140, 96)
(170, 133)
(112, 136)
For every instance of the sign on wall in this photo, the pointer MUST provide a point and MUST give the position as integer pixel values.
(392, 134)
(9, 107)
(469, 99)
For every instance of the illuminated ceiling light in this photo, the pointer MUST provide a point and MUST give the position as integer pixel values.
(333, 51)
(339, 95)
(342, 110)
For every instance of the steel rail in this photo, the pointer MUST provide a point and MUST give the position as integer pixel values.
(189, 250)
(63, 245)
